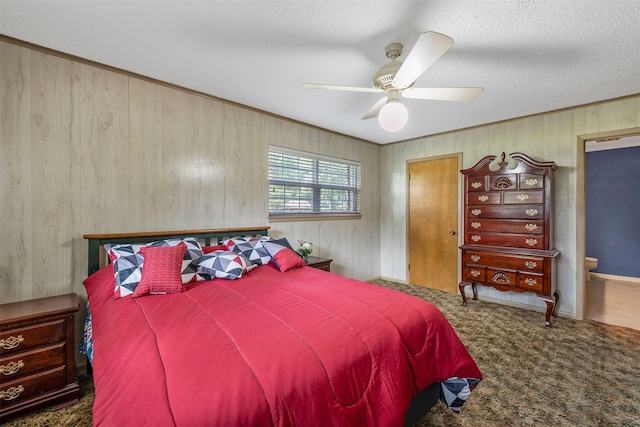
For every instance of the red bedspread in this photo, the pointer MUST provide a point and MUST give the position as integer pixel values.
(303, 348)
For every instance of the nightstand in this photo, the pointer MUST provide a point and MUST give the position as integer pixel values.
(319, 263)
(37, 354)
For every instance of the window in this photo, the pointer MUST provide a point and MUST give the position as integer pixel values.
(310, 184)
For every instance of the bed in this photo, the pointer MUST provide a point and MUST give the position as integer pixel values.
(276, 346)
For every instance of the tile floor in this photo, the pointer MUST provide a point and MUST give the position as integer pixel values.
(613, 301)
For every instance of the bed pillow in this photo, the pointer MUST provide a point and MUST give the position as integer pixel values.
(127, 267)
(283, 257)
(225, 264)
(251, 248)
(209, 249)
(194, 251)
(127, 263)
(161, 271)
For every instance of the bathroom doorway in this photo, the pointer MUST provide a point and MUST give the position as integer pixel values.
(612, 230)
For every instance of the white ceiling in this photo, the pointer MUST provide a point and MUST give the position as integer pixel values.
(530, 56)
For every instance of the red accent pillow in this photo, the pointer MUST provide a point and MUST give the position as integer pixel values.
(209, 249)
(161, 270)
(284, 258)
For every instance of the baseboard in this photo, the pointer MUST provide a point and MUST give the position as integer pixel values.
(614, 277)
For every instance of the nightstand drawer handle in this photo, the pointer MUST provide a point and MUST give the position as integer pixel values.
(11, 367)
(11, 342)
(11, 393)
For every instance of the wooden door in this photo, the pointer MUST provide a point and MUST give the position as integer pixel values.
(433, 224)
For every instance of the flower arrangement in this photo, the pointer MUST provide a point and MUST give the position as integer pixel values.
(305, 249)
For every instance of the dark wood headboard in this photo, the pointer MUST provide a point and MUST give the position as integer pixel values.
(97, 258)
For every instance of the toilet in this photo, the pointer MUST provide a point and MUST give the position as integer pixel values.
(589, 264)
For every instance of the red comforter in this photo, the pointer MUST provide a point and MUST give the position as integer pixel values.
(301, 348)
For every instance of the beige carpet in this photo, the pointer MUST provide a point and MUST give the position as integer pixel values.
(580, 373)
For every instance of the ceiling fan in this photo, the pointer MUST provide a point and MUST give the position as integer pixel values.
(397, 77)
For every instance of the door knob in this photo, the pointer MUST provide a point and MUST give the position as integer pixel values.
(452, 232)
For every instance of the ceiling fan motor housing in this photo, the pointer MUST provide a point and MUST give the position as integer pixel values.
(383, 78)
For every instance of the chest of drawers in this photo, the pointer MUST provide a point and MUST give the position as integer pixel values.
(508, 229)
(37, 364)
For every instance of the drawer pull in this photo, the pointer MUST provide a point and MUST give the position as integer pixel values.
(531, 242)
(11, 342)
(476, 184)
(531, 181)
(476, 211)
(531, 212)
(11, 367)
(531, 264)
(531, 227)
(476, 225)
(11, 393)
(476, 238)
(522, 197)
(483, 198)
(475, 258)
(531, 282)
(475, 273)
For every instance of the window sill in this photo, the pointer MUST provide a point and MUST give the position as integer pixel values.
(313, 217)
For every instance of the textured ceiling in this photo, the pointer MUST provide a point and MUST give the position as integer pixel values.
(530, 56)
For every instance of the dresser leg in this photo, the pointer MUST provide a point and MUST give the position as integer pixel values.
(461, 287)
(552, 305)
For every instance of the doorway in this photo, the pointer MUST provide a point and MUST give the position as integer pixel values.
(432, 225)
(612, 288)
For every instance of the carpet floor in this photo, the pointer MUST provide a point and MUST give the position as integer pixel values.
(579, 373)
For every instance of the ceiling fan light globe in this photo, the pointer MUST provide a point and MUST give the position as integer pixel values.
(393, 116)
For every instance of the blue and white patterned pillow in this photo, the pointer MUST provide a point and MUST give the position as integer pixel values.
(225, 264)
(251, 248)
(127, 263)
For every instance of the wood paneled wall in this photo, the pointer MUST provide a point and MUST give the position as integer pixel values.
(85, 149)
(555, 137)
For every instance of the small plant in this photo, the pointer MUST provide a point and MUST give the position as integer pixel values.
(305, 249)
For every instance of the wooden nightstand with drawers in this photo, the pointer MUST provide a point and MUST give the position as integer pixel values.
(319, 263)
(37, 354)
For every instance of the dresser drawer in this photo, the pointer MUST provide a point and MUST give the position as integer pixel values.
(531, 282)
(23, 363)
(527, 264)
(476, 184)
(503, 182)
(20, 339)
(506, 212)
(505, 240)
(520, 226)
(501, 277)
(23, 388)
(523, 197)
(484, 198)
(528, 181)
(474, 273)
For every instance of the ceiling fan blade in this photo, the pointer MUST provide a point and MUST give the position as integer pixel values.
(443, 93)
(338, 87)
(429, 47)
(373, 111)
